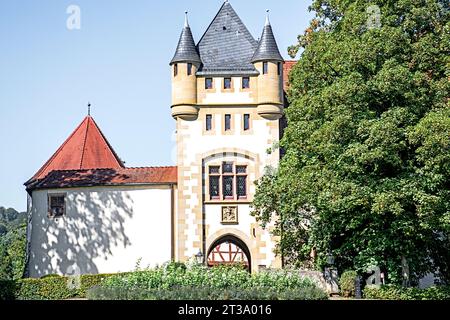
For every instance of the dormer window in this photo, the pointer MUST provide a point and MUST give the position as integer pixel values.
(189, 69)
(265, 67)
(175, 69)
(245, 83)
(208, 83)
(227, 83)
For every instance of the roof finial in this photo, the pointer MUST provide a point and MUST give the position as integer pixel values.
(267, 18)
(89, 109)
(186, 22)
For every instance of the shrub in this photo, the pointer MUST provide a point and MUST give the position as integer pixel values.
(199, 283)
(392, 292)
(347, 283)
(205, 293)
(51, 287)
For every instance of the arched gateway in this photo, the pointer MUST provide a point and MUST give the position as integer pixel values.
(229, 250)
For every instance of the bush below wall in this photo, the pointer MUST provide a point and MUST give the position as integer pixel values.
(178, 281)
(391, 292)
(50, 287)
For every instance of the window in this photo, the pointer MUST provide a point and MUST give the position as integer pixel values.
(227, 83)
(245, 83)
(228, 182)
(227, 122)
(279, 68)
(246, 122)
(175, 69)
(208, 83)
(56, 205)
(265, 67)
(241, 182)
(208, 122)
(214, 181)
(189, 69)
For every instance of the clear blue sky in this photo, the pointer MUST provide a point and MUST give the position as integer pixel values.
(118, 61)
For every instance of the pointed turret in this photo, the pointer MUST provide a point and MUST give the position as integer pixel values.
(267, 48)
(269, 62)
(186, 49)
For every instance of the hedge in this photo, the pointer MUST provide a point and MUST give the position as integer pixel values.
(392, 292)
(49, 287)
(205, 293)
(175, 281)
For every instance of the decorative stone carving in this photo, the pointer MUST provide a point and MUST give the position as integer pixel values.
(230, 215)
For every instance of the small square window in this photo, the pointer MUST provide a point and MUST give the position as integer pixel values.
(245, 83)
(214, 170)
(265, 67)
(189, 69)
(208, 122)
(208, 83)
(241, 169)
(246, 122)
(227, 167)
(56, 205)
(227, 122)
(227, 83)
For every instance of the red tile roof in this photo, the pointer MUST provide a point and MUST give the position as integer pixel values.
(86, 148)
(106, 177)
(287, 67)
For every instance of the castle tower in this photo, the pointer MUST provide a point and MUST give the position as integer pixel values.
(269, 63)
(185, 64)
(227, 99)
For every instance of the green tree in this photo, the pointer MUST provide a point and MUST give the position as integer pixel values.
(366, 172)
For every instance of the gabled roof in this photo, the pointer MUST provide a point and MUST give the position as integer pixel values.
(106, 177)
(267, 48)
(227, 45)
(186, 49)
(86, 148)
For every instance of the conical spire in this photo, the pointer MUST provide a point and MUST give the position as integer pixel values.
(186, 49)
(267, 47)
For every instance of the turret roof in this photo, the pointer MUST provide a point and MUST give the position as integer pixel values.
(267, 47)
(186, 50)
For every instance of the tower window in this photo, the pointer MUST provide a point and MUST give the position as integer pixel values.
(214, 181)
(246, 122)
(208, 83)
(245, 83)
(227, 122)
(56, 205)
(265, 67)
(227, 83)
(175, 69)
(208, 122)
(189, 69)
(279, 68)
(228, 181)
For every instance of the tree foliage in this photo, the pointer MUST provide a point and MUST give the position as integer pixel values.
(366, 174)
(12, 243)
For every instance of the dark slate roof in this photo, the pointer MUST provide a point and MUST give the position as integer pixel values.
(186, 49)
(227, 46)
(267, 47)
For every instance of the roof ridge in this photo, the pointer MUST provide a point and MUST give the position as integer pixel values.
(84, 142)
